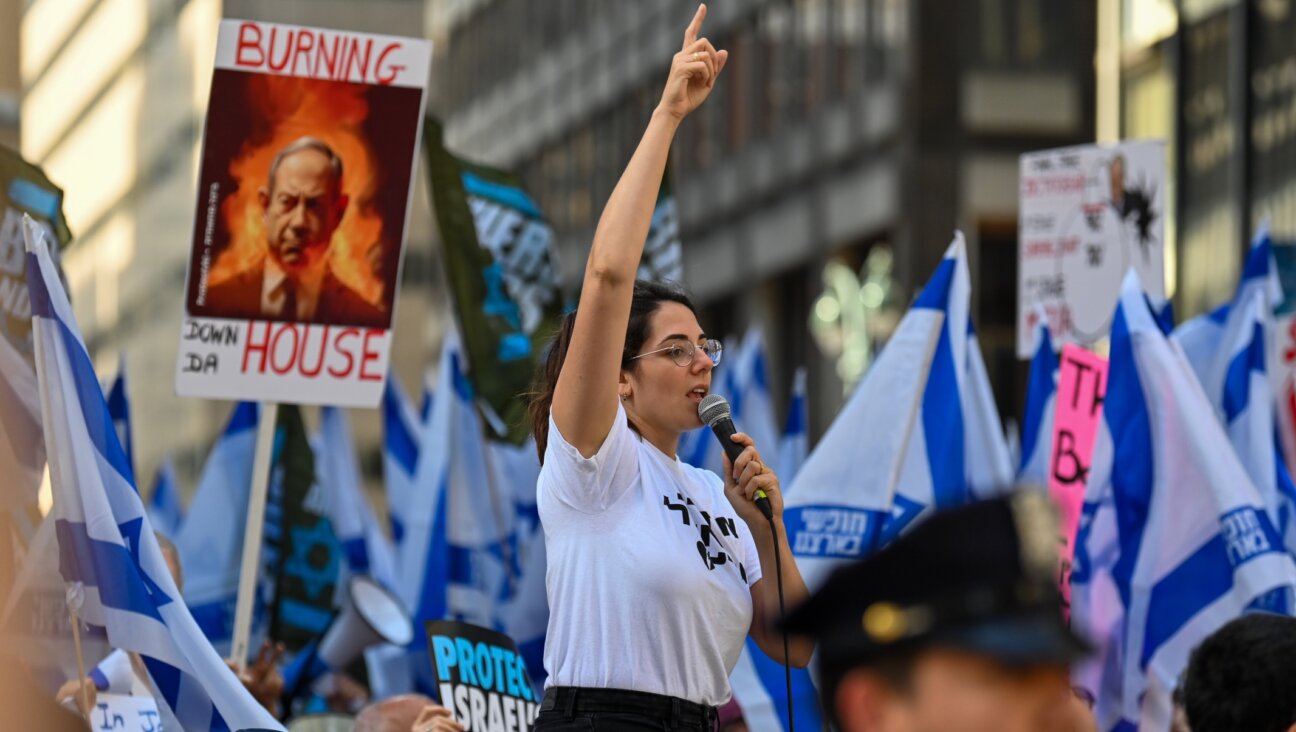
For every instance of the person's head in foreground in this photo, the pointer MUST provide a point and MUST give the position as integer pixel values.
(1243, 677)
(406, 713)
(956, 626)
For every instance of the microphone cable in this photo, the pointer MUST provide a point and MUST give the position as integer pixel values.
(787, 658)
(714, 412)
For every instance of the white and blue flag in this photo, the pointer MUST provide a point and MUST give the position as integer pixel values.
(22, 444)
(119, 411)
(210, 540)
(524, 616)
(742, 378)
(1201, 337)
(422, 551)
(758, 682)
(760, 686)
(425, 404)
(751, 399)
(987, 461)
(795, 443)
(1229, 350)
(164, 507)
(473, 547)
(1173, 527)
(478, 522)
(107, 551)
(402, 431)
(919, 433)
(1041, 404)
(365, 548)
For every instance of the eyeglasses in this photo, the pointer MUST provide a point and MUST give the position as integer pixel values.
(682, 351)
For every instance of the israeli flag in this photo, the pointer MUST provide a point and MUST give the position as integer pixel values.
(119, 411)
(402, 430)
(919, 433)
(481, 521)
(757, 681)
(210, 540)
(1184, 539)
(1245, 406)
(1041, 403)
(34, 623)
(364, 546)
(988, 465)
(22, 447)
(1201, 337)
(425, 404)
(743, 378)
(473, 548)
(423, 553)
(164, 507)
(752, 402)
(117, 575)
(1229, 351)
(795, 443)
(524, 615)
(760, 687)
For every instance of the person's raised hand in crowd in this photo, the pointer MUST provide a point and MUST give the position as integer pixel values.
(435, 718)
(70, 694)
(405, 712)
(262, 678)
(693, 70)
(342, 693)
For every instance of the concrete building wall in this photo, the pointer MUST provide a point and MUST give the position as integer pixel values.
(114, 93)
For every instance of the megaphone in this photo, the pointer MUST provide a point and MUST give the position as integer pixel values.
(370, 615)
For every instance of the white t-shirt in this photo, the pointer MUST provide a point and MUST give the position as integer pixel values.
(650, 570)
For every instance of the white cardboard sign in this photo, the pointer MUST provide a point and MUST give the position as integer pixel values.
(309, 151)
(122, 713)
(1087, 215)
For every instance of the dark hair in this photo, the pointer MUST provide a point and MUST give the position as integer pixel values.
(307, 143)
(647, 298)
(1244, 677)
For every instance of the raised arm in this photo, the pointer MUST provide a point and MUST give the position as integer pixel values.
(585, 397)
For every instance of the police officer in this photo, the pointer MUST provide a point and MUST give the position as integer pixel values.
(955, 626)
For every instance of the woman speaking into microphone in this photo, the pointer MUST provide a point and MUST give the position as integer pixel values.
(657, 570)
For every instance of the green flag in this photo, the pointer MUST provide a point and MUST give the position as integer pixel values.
(302, 553)
(499, 256)
(24, 189)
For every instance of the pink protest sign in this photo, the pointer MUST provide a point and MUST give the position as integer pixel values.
(1082, 382)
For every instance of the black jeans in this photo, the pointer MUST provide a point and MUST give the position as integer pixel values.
(569, 709)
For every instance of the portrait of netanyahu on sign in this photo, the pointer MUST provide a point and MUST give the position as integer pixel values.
(301, 204)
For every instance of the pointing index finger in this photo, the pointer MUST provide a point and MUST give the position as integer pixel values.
(695, 26)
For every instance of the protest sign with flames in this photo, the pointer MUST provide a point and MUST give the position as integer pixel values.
(303, 198)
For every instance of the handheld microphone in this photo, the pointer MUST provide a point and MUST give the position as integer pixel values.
(715, 413)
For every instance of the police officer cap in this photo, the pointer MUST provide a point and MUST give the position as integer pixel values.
(980, 578)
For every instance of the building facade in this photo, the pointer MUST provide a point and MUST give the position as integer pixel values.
(10, 77)
(114, 93)
(1217, 78)
(840, 129)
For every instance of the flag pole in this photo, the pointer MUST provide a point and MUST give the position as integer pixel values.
(252, 534)
(74, 597)
(80, 659)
